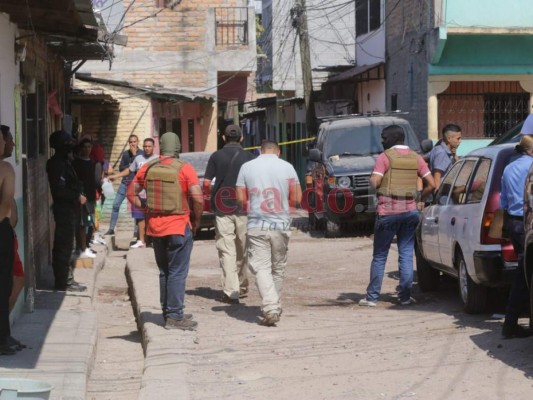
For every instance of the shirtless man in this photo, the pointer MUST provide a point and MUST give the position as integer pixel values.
(7, 193)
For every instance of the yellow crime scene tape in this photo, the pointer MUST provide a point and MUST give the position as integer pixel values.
(285, 143)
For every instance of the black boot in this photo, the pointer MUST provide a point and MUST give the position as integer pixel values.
(515, 331)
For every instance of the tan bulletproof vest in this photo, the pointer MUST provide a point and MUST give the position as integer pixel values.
(163, 190)
(400, 180)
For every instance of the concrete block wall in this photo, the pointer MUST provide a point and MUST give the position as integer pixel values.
(407, 30)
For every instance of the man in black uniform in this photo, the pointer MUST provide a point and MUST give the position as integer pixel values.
(67, 197)
(230, 222)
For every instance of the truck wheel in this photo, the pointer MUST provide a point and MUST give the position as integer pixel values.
(428, 277)
(473, 296)
(332, 229)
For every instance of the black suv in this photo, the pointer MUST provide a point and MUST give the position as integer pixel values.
(338, 192)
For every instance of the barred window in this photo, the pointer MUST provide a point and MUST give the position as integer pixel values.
(367, 16)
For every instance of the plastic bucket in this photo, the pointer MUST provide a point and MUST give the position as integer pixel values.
(28, 389)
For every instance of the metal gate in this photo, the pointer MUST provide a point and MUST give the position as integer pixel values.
(483, 115)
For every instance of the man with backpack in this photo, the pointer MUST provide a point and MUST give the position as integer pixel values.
(171, 185)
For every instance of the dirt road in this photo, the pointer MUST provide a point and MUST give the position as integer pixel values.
(327, 347)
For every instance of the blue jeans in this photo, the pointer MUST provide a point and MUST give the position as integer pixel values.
(119, 198)
(404, 227)
(172, 255)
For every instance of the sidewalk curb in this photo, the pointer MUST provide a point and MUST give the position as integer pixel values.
(166, 361)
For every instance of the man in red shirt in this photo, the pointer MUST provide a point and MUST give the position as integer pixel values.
(172, 232)
(395, 178)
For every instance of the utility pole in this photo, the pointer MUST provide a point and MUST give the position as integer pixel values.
(299, 21)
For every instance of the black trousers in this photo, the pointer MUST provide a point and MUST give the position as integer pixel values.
(7, 254)
(519, 294)
(67, 221)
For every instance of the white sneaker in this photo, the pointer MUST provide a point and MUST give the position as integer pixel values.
(98, 240)
(87, 254)
(367, 303)
(138, 245)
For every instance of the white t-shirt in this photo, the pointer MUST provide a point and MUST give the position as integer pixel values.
(136, 165)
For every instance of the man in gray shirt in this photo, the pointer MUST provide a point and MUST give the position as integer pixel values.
(270, 187)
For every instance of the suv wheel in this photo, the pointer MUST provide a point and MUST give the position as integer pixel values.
(428, 277)
(332, 229)
(473, 296)
(312, 221)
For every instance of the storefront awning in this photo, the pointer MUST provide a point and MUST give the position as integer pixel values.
(360, 73)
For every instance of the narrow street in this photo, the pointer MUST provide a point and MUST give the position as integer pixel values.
(118, 366)
(326, 346)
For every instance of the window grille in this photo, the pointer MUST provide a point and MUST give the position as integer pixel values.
(231, 26)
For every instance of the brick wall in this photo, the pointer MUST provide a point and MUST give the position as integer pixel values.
(407, 28)
(110, 123)
(181, 29)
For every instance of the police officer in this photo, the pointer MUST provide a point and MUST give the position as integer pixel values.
(67, 198)
(512, 201)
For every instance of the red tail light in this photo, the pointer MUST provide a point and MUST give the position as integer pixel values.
(508, 253)
(485, 226)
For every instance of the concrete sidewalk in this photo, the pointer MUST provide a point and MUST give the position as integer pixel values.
(61, 336)
(165, 365)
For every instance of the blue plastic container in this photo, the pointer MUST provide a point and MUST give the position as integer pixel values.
(27, 389)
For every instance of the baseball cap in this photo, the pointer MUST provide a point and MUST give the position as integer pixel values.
(233, 131)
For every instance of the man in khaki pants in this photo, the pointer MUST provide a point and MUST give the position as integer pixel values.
(230, 222)
(271, 188)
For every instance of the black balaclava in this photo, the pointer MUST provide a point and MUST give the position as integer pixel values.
(62, 143)
(391, 136)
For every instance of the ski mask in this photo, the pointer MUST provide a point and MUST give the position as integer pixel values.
(169, 145)
(391, 136)
(61, 142)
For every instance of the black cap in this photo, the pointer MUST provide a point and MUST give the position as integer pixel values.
(233, 131)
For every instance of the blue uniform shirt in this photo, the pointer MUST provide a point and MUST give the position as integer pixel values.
(440, 158)
(513, 185)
